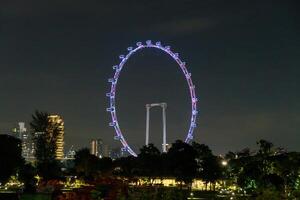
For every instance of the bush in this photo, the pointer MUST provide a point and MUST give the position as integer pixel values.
(268, 194)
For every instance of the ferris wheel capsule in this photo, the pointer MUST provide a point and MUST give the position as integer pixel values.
(158, 43)
(112, 124)
(109, 94)
(139, 44)
(117, 137)
(190, 137)
(124, 149)
(193, 124)
(148, 42)
(115, 67)
(110, 109)
(195, 112)
(111, 80)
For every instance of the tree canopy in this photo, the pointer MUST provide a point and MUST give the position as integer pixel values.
(45, 136)
(11, 157)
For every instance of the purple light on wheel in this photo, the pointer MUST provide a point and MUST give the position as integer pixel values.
(118, 68)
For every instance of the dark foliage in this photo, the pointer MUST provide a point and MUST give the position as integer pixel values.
(182, 161)
(26, 175)
(45, 136)
(268, 169)
(86, 164)
(149, 162)
(11, 158)
(208, 165)
(126, 166)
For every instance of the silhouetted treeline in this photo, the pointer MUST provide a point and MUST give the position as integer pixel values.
(266, 167)
(253, 171)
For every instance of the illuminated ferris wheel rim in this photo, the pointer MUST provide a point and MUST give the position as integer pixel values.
(112, 94)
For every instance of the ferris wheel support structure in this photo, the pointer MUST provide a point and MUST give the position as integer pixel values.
(164, 122)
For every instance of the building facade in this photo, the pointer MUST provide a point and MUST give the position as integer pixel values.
(56, 122)
(97, 148)
(26, 141)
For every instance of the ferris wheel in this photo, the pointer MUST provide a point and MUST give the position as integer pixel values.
(113, 89)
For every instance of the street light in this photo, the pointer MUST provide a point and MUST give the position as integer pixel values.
(224, 163)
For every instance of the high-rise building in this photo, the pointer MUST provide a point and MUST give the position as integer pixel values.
(106, 151)
(97, 147)
(70, 154)
(56, 122)
(24, 136)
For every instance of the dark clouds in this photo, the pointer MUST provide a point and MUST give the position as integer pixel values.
(244, 57)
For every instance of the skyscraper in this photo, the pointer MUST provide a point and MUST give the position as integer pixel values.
(97, 147)
(106, 151)
(56, 122)
(23, 135)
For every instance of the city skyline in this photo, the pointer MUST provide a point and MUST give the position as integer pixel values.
(243, 57)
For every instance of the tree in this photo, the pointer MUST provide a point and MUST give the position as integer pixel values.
(287, 167)
(149, 162)
(245, 169)
(105, 164)
(211, 170)
(45, 136)
(269, 193)
(86, 164)
(39, 121)
(10, 155)
(265, 147)
(208, 165)
(264, 158)
(202, 150)
(230, 155)
(126, 166)
(182, 161)
(264, 169)
(250, 173)
(243, 153)
(26, 175)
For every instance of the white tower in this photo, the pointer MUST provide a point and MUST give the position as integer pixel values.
(25, 140)
(164, 107)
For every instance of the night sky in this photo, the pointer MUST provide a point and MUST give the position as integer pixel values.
(244, 57)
